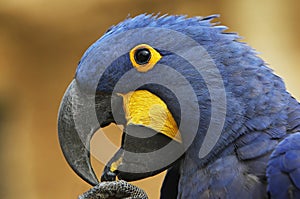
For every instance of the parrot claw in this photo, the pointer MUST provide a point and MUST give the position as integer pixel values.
(114, 189)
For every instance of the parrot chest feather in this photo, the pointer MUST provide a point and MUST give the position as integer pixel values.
(240, 172)
(227, 177)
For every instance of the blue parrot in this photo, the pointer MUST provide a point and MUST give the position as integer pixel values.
(165, 78)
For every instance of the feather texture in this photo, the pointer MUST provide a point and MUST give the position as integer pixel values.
(262, 118)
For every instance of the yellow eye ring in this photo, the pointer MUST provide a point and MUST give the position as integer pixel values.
(143, 57)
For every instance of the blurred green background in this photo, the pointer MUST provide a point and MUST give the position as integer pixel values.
(41, 42)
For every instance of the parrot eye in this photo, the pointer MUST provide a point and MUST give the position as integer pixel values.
(143, 57)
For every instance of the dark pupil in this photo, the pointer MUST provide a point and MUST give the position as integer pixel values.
(142, 56)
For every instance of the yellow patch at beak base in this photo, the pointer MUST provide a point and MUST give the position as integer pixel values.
(141, 107)
(114, 166)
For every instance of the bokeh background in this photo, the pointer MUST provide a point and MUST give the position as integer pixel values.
(41, 42)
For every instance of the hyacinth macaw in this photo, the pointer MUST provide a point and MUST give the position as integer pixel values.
(256, 155)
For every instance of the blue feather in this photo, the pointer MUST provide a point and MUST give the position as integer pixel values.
(283, 170)
(260, 113)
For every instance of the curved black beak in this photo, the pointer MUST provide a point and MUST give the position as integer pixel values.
(80, 116)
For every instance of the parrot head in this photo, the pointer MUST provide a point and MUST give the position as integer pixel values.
(142, 74)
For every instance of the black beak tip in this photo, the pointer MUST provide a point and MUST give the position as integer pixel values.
(109, 176)
(73, 141)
